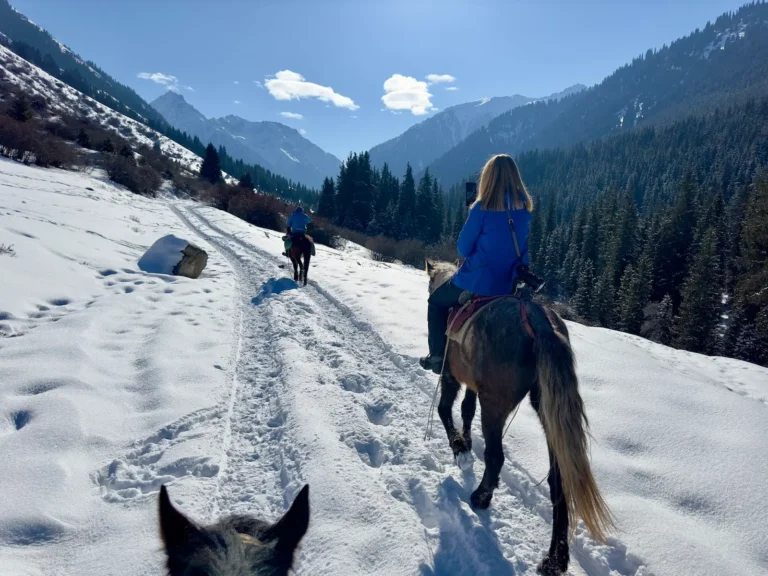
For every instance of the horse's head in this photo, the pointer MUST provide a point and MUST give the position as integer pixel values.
(236, 546)
(439, 273)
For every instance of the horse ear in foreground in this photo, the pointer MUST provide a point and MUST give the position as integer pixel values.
(235, 546)
(511, 348)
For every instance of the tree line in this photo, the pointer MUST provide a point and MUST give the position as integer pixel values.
(379, 203)
(658, 231)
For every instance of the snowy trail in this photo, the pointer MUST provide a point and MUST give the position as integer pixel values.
(322, 398)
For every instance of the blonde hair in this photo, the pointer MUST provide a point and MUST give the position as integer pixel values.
(500, 174)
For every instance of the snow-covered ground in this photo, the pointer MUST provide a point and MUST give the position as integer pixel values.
(239, 387)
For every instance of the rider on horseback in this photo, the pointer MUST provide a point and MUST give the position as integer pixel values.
(296, 227)
(491, 266)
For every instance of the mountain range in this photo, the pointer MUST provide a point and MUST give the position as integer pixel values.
(271, 145)
(430, 139)
(725, 63)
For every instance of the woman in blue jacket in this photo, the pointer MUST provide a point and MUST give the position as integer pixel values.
(490, 259)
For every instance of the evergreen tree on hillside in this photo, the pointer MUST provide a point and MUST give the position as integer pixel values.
(425, 207)
(603, 301)
(674, 245)
(363, 199)
(664, 321)
(437, 225)
(345, 188)
(246, 181)
(751, 292)
(407, 205)
(326, 206)
(582, 301)
(701, 294)
(83, 139)
(20, 108)
(210, 169)
(106, 146)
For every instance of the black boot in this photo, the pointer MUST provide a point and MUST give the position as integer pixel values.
(433, 363)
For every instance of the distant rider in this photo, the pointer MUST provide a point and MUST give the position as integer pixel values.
(296, 227)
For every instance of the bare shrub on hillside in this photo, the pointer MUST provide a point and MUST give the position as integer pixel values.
(138, 179)
(258, 209)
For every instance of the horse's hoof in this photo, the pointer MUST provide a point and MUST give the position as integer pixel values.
(459, 445)
(547, 568)
(556, 566)
(481, 499)
(465, 460)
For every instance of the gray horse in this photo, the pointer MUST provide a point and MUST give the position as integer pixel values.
(235, 546)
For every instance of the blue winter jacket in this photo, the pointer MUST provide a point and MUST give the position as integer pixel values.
(298, 221)
(490, 265)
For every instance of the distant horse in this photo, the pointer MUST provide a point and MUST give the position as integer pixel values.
(507, 353)
(301, 247)
(235, 546)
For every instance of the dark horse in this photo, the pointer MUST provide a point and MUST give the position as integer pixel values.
(500, 362)
(301, 247)
(235, 546)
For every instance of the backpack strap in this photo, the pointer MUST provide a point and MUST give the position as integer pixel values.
(512, 224)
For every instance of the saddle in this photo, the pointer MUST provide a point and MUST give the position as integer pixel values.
(460, 319)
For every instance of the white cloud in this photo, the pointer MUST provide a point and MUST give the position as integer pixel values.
(302, 131)
(167, 80)
(237, 101)
(159, 78)
(236, 82)
(287, 85)
(292, 115)
(440, 78)
(259, 84)
(452, 88)
(407, 93)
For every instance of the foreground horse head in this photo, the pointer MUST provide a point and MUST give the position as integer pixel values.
(500, 360)
(235, 546)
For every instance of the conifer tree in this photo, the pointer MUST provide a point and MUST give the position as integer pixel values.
(106, 146)
(83, 139)
(582, 301)
(700, 306)
(407, 204)
(210, 169)
(326, 206)
(246, 181)
(751, 293)
(20, 108)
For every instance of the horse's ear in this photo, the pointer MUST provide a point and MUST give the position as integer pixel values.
(290, 529)
(429, 265)
(175, 528)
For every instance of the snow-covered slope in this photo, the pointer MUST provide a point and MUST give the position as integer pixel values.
(271, 145)
(430, 139)
(64, 98)
(239, 387)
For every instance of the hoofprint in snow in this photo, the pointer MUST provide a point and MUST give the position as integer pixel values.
(239, 387)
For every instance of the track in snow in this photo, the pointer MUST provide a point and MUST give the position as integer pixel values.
(321, 398)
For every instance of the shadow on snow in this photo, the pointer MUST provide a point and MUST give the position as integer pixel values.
(271, 287)
(466, 547)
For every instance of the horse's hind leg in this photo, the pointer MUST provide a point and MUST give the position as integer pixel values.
(449, 391)
(307, 258)
(493, 413)
(556, 561)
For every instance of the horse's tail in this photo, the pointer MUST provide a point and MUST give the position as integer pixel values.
(566, 426)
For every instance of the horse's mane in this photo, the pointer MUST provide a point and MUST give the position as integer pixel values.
(441, 272)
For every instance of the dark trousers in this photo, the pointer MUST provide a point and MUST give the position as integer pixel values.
(440, 302)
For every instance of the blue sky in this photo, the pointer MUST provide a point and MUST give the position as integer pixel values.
(323, 66)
